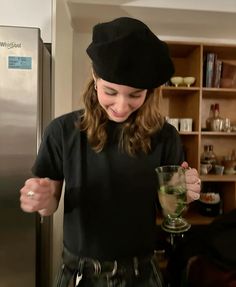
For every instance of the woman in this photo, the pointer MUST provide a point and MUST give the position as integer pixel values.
(107, 155)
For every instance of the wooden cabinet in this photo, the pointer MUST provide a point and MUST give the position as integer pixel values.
(194, 102)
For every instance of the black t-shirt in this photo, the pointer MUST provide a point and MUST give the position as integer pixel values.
(109, 203)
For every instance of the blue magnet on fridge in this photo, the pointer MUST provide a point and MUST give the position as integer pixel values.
(17, 62)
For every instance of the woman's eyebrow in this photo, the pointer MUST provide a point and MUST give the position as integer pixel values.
(109, 88)
(137, 91)
(133, 92)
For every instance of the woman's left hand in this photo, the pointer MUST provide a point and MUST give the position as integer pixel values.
(193, 183)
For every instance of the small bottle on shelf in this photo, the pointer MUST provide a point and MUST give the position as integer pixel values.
(205, 153)
(217, 122)
(217, 111)
(209, 158)
(212, 156)
(210, 117)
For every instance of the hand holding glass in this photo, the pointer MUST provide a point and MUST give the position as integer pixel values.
(172, 195)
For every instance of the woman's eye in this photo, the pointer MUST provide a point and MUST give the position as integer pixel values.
(136, 96)
(110, 93)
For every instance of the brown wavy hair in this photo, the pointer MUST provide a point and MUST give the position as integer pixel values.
(136, 131)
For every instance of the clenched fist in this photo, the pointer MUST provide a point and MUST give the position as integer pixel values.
(193, 182)
(41, 195)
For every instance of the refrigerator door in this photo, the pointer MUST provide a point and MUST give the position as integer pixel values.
(20, 119)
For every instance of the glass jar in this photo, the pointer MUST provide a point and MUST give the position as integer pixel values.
(210, 202)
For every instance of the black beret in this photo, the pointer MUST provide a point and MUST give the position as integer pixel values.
(125, 51)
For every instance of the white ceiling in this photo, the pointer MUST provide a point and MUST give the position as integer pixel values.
(210, 20)
(201, 5)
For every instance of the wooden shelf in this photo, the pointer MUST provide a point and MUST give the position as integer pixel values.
(218, 178)
(189, 133)
(180, 88)
(178, 91)
(198, 219)
(194, 102)
(226, 134)
(214, 91)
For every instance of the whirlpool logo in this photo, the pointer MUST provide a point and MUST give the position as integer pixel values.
(9, 45)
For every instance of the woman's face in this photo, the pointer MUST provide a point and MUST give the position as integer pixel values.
(119, 101)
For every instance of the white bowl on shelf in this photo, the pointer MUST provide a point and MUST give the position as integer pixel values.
(176, 81)
(188, 81)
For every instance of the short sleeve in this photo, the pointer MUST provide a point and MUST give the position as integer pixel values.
(49, 161)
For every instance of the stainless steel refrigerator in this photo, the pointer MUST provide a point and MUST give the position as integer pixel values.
(25, 109)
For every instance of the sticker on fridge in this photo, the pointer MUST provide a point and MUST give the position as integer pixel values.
(17, 62)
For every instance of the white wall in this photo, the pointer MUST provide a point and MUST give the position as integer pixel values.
(32, 13)
(81, 67)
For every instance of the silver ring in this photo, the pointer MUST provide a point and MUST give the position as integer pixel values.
(30, 194)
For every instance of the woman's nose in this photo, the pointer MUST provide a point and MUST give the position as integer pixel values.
(121, 104)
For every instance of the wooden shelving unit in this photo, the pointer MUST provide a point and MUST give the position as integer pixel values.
(194, 102)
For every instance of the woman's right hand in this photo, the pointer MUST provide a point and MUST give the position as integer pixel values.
(41, 195)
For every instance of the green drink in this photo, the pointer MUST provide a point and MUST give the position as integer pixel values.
(172, 195)
(173, 200)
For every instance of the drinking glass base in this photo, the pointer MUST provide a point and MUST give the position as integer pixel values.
(175, 225)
